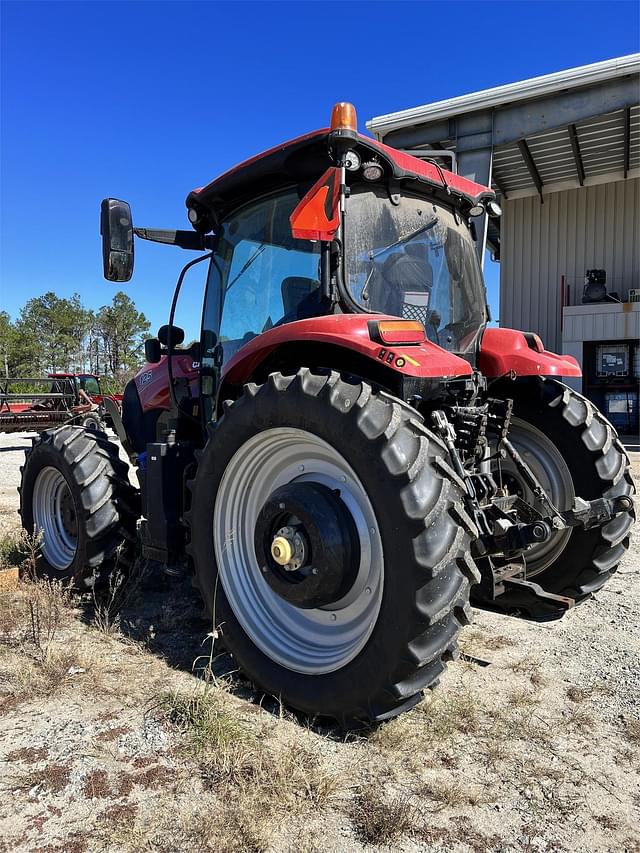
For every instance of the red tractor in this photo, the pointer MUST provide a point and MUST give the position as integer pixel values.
(348, 454)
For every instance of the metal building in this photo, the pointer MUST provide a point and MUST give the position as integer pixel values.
(562, 152)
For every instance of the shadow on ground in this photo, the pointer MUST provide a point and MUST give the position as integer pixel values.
(166, 615)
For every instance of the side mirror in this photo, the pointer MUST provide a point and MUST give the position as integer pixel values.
(152, 351)
(116, 227)
(177, 335)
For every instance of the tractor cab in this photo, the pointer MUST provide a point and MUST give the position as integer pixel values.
(336, 224)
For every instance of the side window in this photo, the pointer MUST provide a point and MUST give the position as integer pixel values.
(90, 385)
(268, 277)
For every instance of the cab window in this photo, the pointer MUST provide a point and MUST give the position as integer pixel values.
(268, 277)
(90, 385)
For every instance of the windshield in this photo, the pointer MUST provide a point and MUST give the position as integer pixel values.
(413, 260)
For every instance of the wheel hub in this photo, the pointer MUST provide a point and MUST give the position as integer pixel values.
(289, 548)
(306, 544)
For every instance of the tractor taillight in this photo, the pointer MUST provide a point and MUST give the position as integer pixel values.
(343, 117)
(396, 332)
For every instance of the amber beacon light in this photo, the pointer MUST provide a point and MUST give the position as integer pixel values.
(343, 118)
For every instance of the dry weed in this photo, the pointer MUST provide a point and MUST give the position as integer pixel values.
(122, 588)
(21, 549)
(523, 698)
(48, 605)
(228, 826)
(579, 694)
(450, 793)
(579, 718)
(632, 730)
(31, 677)
(53, 778)
(381, 819)
(28, 754)
(474, 638)
(96, 785)
(10, 551)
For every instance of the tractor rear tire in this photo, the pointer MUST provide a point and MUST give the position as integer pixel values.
(597, 465)
(75, 490)
(367, 656)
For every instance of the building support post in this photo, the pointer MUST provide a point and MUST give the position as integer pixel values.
(476, 164)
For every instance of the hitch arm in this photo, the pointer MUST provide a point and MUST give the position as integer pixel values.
(588, 514)
(532, 481)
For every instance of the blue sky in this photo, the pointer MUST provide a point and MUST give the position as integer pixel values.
(146, 100)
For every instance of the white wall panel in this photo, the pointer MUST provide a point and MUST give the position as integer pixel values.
(594, 227)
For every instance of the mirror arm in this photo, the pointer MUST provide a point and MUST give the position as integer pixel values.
(184, 239)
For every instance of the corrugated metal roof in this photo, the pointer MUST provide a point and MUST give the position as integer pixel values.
(602, 146)
(535, 87)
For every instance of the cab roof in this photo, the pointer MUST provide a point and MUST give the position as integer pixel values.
(305, 158)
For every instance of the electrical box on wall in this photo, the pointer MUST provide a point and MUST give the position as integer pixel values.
(612, 360)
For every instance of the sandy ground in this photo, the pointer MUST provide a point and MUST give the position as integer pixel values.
(110, 741)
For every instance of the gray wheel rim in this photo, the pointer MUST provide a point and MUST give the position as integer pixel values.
(312, 641)
(54, 515)
(547, 463)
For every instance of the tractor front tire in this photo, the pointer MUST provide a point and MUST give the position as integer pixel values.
(566, 439)
(92, 421)
(356, 632)
(75, 494)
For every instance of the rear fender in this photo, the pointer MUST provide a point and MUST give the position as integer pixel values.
(505, 351)
(345, 339)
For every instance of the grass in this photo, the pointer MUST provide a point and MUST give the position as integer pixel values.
(211, 734)
(261, 776)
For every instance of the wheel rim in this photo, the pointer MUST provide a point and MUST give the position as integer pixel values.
(313, 641)
(548, 465)
(54, 514)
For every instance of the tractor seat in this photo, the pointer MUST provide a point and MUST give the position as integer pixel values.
(404, 287)
(301, 298)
